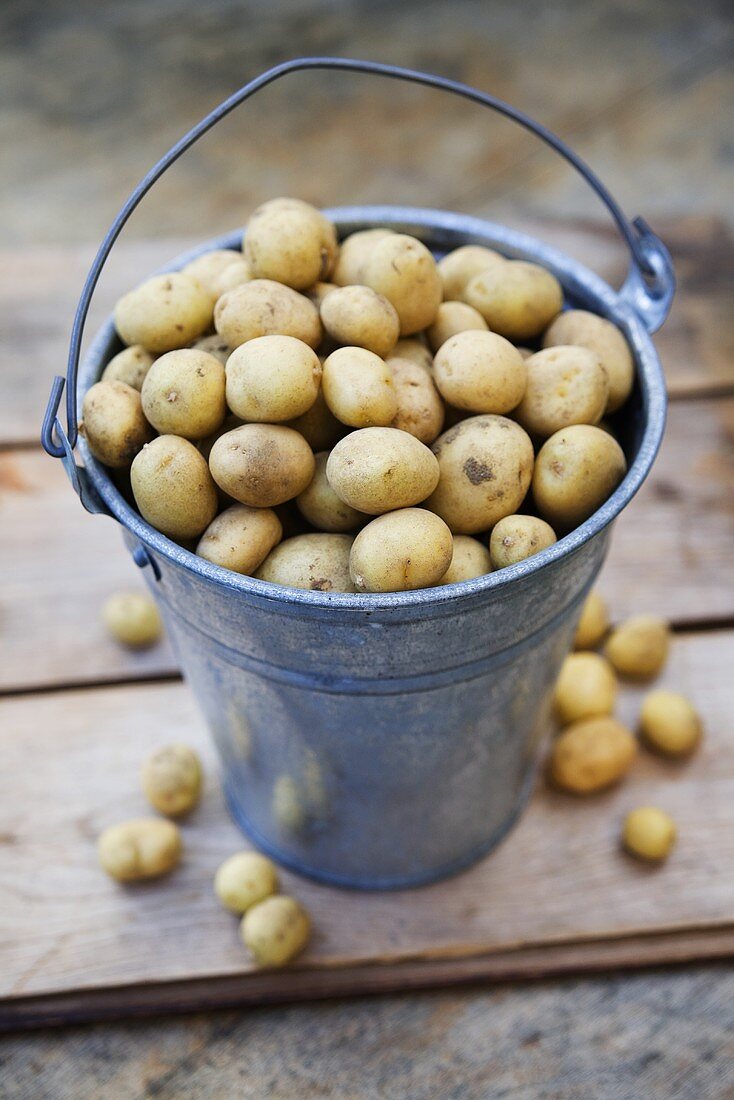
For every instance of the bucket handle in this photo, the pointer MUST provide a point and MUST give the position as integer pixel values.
(648, 289)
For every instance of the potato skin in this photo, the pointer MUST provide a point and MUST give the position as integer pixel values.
(518, 537)
(262, 307)
(146, 847)
(670, 724)
(216, 346)
(378, 470)
(565, 385)
(291, 242)
(584, 329)
(403, 269)
(183, 394)
(240, 538)
(318, 562)
(245, 879)
(114, 424)
(470, 559)
(638, 648)
(173, 488)
(459, 267)
(209, 267)
(324, 510)
(360, 317)
(318, 426)
(235, 274)
(591, 755)
(353, 255)
(480, 372)
(129, 366)
(586, 688)
(421, 411)
(133, 619)
(412, 348)
(400, 551)
(262, 464)
(486, 465)
(165, 312)
(275, 930)
(516, 299)
(593, 624)
(649, 834)
(272, 378)
(171, 779)
(358, 388)
(451, 319)
(576, 470)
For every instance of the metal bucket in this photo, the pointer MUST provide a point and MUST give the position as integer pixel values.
(385, 740)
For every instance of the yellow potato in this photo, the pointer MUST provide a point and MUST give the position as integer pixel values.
(353, 255)
(451, 319)
(470, 559)
(377, 470)
(358, 388)
(146, 847)
(670, 724)
(216, 346)
(235, 274)
(132, 618)
(240, 538)
(518, 537)
(516, 299)
(173, 488)
(412, 348)
(593, 624)
(459, 267)
(649, 834)
(129, 366)
(638, 648)
(208, 268)
(481, 372)
(114, 424)
(566, 385)
(324, 510)
(265, 308)
(245, 879)
(586, 688)
(318, 292)
(421, 411)
(402, 550)
(171, 780)
(403, 269)
(360, 317)
(587, 330)
(291, 242)
(183, 394)
(591, 755)
(262, 464)
(486, 465)
(275, 930)
(319, 427)
(165, 312)
(272, 378)
(318, 562)
(576, 470)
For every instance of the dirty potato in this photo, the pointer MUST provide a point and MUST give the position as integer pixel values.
(451, 319)
(591, 755)
(324, 510)
(114, 424)
(173, 488)
(412, 348)
(360, 317)
(470, 559)
(214, 345)
(516, 538)
(183, 394)
(240, 538)
(517, 299)
(587, 330)
(165, 312)
(403, 269)
(480, 372)
(566, 385)
(235, 274)
(359, 388)
(319, 562)
(400, 551)
(262, 464)
(378, 470)
(208, 268)
(353, 255)
(291, 242)
(576, 470)
(129, 366)
(421, 411)
(262, 307)
(171, 779)
(459, 267)
(145, 847)
(318, 426)
(272, 379)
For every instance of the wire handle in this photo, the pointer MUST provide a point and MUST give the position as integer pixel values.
(648, 289)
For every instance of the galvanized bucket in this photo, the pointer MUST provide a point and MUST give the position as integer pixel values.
(384, 740)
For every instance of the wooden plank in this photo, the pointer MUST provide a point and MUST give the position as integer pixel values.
(559, 879)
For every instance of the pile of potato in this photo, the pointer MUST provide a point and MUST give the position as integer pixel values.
(359, 417)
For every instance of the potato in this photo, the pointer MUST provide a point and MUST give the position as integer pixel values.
(470, 559)
(275, 930)
(451, 319)
(216, 346)
(412, 348)
(638, 648)
(171, 779)
(353, 255)
(262, 464)
(240, 538)
(318, 292)
(403, 269)
(291, 242)
(272, 378)
(143, 848)
(377, 470)
(566, 385)
(288, 805)
(459, 267)
(669, 723)
(264, 308)
(132, 618)
(591, 755)
(486, 465)
(235, 274)
(400, 551)
(173, 488)
(649, 834)
(114, 424)
(480, 372)
(318, 426)
(318, 562)
(576, 470)
(421, 411)
(319, 504)
(210, 266)
(183, 394)
(129, 366)
(587, 330)
(515, 538)
(593, 624)
(358, 388)
(165, 312)
(245, 879)
(360, 317)
(586, 688)
(516, 299)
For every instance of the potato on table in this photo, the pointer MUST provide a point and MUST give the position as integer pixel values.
(358, 388)
(586, 688)
(262, 464)
(403, 269)
(272, 379)
(353, 255)
(402, 550)
(173, 488)
(638, 648)
(291, 242)
(670, 724)
(276, 930)
(517, 299)
(649, 834)
(470, 559)
(114, 423)
(262, 307)
(587, 330)
(165, 312)
(245, 879)
(146, 847)
(133, 619)
(518, 537)
(360, 317)
(593, 624)
(481, 372)
(378, 470)
(318, 562)
(421, 411)
(576, 470)
(458, 268)
(240, 538)
(591, 755)
(324, 510)
(171, 779)
(565, 385)
(129, 366)
(183, 394)
(451, 319)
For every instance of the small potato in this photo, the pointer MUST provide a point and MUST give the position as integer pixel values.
(318, 426)
(265, 308)
(486, 465)
(587, 330)
(171, 780)
(515, 538)
(360, 317)
(173, 488)
(146, 847)
(216, 346)
(275, 930)
(183, 394)
(235, 274)
(566, 385)
(262, 464)
(378, 470)
(132, 618)
(412, 348)
(208, 268)
(291, 242)
(358, 388)
(516, 299)
(323, 509)
(470, 559)
(480, 372)
(459, 267)
(400, 551)
(649, 834)
(421, 411)
(586, 688)
(240, 538)
(670, 724)
(591, 755)
(166, 312)
(272, 378)
(114, 424)
(318, 292)
(451, 319)
(403, 269)
(318, 562)
(353, 255)
(129, 366)
(245, 879)
(593, 624)
(638, 648)
(576, 470)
